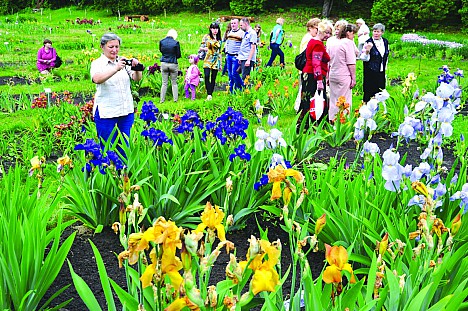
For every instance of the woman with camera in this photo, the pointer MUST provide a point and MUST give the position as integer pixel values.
(113, 102)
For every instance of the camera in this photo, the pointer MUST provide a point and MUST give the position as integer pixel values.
(128, 62)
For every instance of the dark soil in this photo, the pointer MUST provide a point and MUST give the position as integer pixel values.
(384, 141)
(84, 264)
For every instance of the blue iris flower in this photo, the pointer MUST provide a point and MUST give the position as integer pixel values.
(157, 136)
(240, 152)
(113, 157)
(263, 181)
(148, 112)
(93, 149)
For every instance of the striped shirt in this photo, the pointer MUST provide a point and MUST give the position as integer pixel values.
(234, 40)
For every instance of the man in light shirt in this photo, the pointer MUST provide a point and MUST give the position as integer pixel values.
(232, 47)
(248, 49)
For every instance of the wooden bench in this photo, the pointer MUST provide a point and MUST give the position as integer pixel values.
(130, 18)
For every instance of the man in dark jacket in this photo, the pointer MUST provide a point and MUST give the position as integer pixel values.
(170, 52)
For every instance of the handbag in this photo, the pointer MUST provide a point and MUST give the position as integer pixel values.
(300, 60)
(317, 105)
(58, 62)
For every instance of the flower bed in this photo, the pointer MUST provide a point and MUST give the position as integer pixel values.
(413, 37)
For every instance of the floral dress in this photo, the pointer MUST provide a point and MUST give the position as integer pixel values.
(213, 55)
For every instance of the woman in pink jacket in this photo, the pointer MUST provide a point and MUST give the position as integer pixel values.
(192, 77)
(46, 57)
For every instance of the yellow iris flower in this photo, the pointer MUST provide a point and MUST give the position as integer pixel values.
(264, 279)
(212, 218)
(181, 303)
(170, 266)
(278, 175)
(456, 224)
(162, 232)
(337, 258)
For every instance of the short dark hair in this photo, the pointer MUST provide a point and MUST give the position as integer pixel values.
(47, 41)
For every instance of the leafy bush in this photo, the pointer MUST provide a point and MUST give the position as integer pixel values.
(464, 12)
(402, 14)
(247, 8)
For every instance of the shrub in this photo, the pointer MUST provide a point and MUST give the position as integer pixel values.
(401, 14)
(247, 8)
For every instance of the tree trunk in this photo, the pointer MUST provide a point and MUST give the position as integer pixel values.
(327, 6)
(39, 3)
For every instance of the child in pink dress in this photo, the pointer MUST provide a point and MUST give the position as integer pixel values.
(192, 77)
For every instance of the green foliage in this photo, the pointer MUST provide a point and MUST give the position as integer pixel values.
(402, 14)
(244, 8)
(30, 256)
(463, 11)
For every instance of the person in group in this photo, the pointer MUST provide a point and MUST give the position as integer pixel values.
(232, 47)
(375, 56)
(248, 49)
(258, 31)
(113, 101)
(312, 29)
(342, 73)
(170, 52)
(277, 37)
(192, 77)
(363, 33)
(228, 29)
(46, 57)
(212, 61)
(335, 39)
(315, 71)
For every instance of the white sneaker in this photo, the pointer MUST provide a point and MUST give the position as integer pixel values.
(209, 97)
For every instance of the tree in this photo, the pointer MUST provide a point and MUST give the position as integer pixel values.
(327, 7)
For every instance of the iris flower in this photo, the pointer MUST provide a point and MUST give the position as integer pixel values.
(212, 218)
(264, 279)
(36, 164)
(62, 162)
(278, 175)
(463, 196)
(337, 258)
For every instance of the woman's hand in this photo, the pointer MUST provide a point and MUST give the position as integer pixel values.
(120, 64)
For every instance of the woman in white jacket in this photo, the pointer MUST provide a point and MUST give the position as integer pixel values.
(363, 33)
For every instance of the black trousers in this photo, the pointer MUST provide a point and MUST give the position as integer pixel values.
(374, 82)
(210, 80)
(309, 87)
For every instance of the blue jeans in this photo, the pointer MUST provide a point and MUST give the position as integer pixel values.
(104, 128)
(235, 80)
(275, 51)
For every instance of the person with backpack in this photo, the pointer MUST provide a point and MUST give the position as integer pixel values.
(314, 73)
(276, 39)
